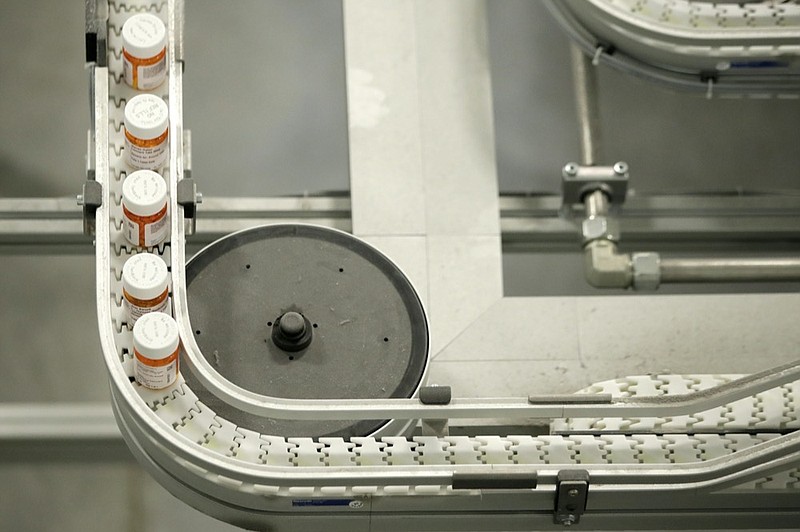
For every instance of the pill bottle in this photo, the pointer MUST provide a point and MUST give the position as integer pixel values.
(144, 286)
(144, 51)
(146, 132)
(144, 208)
(156, 350)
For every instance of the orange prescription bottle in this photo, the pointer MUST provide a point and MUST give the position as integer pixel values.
(145, 286)
(144, 51)
(144, 208)
(146, 132)
(156, 350)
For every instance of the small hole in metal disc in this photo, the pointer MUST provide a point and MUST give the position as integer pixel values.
(197, 331)
(385, 339)
(247, 266)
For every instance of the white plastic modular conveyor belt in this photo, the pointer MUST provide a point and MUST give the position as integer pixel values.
(239, 475)
(733, 49)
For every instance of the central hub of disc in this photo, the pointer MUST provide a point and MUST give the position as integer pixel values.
(292, 332)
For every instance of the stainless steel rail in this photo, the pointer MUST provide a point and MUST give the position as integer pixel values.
(765, 269)
(766, 223)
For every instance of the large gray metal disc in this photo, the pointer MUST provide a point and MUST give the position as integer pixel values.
(369, 331)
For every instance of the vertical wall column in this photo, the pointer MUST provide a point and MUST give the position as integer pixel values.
(422, 161)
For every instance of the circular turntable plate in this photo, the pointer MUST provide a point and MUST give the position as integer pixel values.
(364, 325)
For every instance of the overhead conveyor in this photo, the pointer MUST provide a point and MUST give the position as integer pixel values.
(741, 463)
(733, 49)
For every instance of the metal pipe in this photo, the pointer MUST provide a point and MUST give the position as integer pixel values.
(767, 269)
(596, 204)
(585, 81)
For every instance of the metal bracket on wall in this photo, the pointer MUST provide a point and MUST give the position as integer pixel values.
(90, 199)
(96, 18)
(578, 181)
(188, 198)
(572, 491)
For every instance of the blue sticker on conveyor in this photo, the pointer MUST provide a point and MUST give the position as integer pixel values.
(352, 503)
(759, 64)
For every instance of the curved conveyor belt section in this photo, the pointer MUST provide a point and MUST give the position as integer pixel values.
(247, 478)
(726, 48)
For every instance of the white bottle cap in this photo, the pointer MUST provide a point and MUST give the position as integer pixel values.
(155, 335)
(144, 192)
(145, 276)
(146, 116)
(144, 35)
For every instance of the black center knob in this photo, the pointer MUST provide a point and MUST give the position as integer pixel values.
(292, 332)
(292, 324)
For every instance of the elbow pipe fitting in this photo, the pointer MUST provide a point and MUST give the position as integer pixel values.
(604, 267)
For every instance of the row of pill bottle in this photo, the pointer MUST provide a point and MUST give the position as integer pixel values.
(145, 277)
(145, 297)
(144, 193)
(144, 64)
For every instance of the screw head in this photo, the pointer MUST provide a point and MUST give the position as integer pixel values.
(573, 492)
(569, 520)
(79, 199)
(621, 168)
(570, 170)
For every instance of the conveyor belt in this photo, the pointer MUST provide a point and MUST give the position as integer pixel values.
(734, 49)
(776, 410)
(189, 443)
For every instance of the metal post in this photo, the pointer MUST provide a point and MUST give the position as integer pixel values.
(585, 81)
